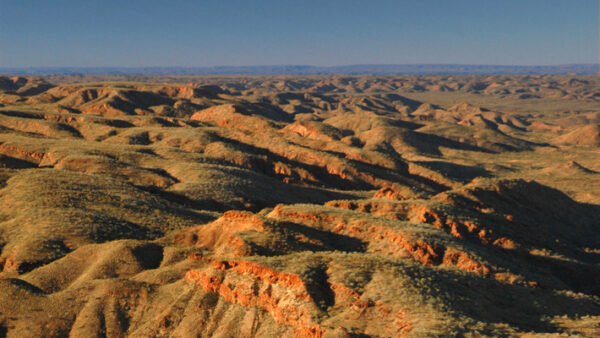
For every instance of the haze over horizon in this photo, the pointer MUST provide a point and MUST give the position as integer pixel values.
(184, 34)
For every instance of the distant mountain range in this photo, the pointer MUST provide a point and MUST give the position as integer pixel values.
(426, 69)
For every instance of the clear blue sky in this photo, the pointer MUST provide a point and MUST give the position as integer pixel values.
(43, 33)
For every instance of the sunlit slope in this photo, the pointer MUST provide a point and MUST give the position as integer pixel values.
(299, 206)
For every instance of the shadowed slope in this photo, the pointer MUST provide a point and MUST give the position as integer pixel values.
(309, 206)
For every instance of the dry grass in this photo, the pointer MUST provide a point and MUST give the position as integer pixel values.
(374, 206)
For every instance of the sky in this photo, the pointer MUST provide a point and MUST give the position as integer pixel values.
(204, 33)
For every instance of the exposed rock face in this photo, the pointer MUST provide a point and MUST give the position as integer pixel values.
(283, 295)
(220, 235)
(382, 236)
(231, 116)
(299, 207)
(314, 130)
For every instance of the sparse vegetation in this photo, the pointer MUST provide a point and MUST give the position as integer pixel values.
(314, 206)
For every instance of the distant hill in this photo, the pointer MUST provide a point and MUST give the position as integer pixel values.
(427, 69)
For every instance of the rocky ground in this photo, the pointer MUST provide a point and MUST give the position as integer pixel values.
(315, 206)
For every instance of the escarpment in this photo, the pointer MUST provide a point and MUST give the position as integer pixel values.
(300, 206)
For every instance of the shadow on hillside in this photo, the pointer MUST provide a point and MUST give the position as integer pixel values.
(459, 172)
(491, 301)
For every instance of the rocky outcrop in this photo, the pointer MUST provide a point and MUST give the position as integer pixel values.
(382, 237)
(282, 295)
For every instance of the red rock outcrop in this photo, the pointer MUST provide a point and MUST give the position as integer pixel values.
(379, 235)
(420, 212)
(103, 109)
(19, 152)
(395, 192)
(283, 295)
(313, 130)
(231, 116)
(220, 235)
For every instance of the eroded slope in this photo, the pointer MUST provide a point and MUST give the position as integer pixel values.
(306, 206)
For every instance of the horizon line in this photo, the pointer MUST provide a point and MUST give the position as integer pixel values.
(291, 69)
(325, 66)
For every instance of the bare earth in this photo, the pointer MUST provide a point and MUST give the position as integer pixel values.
(307, 206)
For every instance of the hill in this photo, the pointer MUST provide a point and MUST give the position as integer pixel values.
(306, 206)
